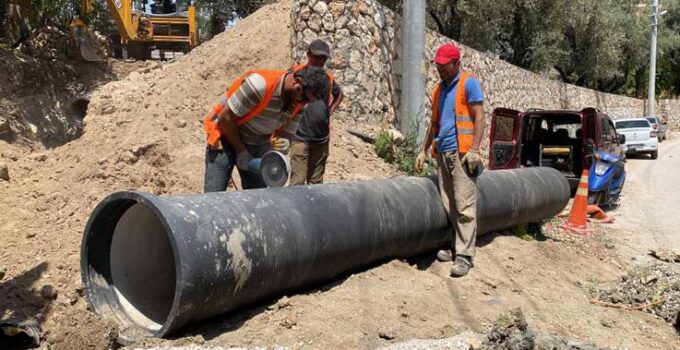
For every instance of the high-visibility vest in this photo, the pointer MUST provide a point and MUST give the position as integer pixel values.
(465, 126)
(331, 79)
(272, 79)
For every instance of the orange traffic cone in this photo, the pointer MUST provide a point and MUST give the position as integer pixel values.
(578, 220)
(598, 214)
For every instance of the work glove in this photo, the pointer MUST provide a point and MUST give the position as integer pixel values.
(281, 145)
(420, 161)
(242, 160)
(472, 163)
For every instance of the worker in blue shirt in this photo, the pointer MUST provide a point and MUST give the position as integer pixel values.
(457, 130)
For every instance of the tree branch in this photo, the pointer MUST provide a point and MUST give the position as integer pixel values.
(437, 21)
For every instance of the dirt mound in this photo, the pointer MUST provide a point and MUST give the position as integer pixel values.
(39, 83)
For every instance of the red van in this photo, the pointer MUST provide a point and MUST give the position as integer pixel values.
(561, 139)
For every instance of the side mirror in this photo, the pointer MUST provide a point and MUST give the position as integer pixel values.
(622, 139)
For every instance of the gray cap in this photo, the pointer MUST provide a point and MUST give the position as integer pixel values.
(319, 47)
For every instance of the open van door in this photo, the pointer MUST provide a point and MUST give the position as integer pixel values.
(591, 135)
(504, 139)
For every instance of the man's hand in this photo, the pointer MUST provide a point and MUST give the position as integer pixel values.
(242, 160)
(420, 161)
(281, 145)
(471, 161)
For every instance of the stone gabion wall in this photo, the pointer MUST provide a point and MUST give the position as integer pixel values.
(669, 110)
(365, 40)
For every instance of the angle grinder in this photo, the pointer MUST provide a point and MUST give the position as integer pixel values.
(273, 166)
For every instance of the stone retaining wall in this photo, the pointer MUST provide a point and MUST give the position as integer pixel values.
(365, 39)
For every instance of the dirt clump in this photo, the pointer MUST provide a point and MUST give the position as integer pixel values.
(511, 332)
(4, 172)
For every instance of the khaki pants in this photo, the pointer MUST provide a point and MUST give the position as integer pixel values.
(307, 162)
(454, 183)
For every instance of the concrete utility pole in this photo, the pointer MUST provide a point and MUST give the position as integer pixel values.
(651, 96)
(412, 79)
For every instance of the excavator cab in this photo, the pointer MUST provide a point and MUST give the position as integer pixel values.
(142, 26)
(163, 25)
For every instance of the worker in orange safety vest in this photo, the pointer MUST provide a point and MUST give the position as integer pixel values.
(310, 148)
(456, 129)
(258, 113)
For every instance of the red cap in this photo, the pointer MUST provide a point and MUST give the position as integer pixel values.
(446, 53)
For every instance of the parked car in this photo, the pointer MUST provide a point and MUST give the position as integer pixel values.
(658, 126)
(566, 140)
(640, 136)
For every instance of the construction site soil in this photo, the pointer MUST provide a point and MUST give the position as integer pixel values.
(144, 132)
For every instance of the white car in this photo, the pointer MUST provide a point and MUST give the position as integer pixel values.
(640, 136)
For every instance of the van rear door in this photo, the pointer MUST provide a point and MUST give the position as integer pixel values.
(504, 139)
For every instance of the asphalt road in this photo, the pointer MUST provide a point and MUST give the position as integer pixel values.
(650, 206)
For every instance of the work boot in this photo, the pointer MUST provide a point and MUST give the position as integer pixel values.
(444, 255)
(461, 266)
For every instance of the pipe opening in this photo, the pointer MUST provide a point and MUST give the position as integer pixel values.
(76, 108)
(138, 283)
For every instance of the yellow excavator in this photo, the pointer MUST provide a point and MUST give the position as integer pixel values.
(169, 26)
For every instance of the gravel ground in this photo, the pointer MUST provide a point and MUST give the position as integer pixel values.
(509, 332)
(652, 288)
(463, 341)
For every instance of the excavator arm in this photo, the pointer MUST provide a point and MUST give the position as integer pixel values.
(121, 11)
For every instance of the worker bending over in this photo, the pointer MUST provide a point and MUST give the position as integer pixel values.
(258, 113)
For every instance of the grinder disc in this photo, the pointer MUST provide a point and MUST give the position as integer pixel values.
(275, 169)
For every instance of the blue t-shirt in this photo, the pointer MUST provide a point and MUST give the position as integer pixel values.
(446, 140)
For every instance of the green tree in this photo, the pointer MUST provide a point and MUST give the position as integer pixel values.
(668, 58)
(592, 45)
(217, 14)
(597, 44)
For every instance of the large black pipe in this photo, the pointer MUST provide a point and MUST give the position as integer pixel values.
(157, 263)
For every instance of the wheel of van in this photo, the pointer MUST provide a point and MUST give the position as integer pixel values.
(654, 154)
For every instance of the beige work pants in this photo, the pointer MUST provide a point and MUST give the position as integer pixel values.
(307, 162)
(459, 195)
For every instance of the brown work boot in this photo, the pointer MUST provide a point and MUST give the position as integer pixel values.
(444, 255)
(461, 266)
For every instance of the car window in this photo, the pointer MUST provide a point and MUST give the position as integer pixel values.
(652, 120)
(504, 128)
(629, 124)
(591, 122)
(603, 132)
(612, 131)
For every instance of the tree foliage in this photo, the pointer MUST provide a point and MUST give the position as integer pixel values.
(216, 15)
(600, 44)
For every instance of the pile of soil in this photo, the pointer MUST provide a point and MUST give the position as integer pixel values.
(511, 332)
(37, 90)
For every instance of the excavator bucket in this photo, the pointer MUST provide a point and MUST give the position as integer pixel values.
(83, 46)
(88, 50)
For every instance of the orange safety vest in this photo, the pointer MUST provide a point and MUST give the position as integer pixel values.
(465, 126)
(272, 78)
(331, 79)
